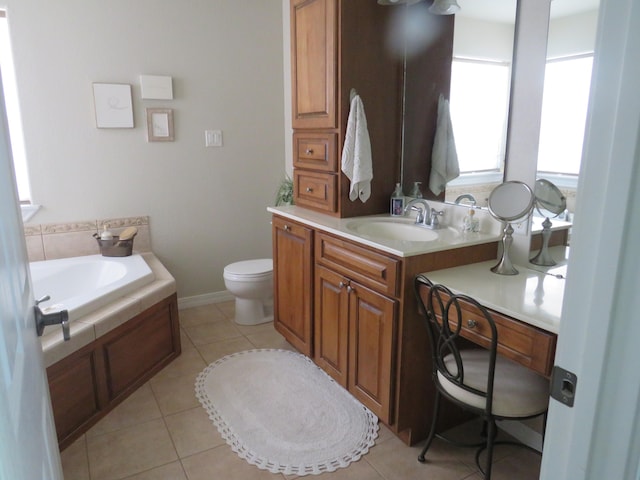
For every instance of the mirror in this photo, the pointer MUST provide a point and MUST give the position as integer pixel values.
(508, 202)
(550, 202)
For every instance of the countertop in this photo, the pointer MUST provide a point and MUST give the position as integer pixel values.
(534, 296)
(448, 237)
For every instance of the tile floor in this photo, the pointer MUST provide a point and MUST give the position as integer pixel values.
(162, 433)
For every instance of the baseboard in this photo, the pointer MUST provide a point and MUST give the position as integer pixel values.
(522, 432)
(204, 299)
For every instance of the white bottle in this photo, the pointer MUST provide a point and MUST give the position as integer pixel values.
(415, 191)
(106, 234)
(397, 201)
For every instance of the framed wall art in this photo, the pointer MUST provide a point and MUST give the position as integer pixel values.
(160, 125)
(113, 105)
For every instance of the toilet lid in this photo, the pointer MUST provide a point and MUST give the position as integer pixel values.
(250, 267)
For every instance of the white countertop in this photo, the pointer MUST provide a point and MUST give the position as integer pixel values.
(448, 238)
(534, 296)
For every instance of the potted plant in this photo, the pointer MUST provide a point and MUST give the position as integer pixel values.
(285, 192)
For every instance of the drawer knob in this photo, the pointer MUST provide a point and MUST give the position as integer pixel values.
(287, 228)
(309, 151)
(309, 189)
(341, 285)
(471, 323)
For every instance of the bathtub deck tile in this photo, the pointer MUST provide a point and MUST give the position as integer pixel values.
(154, 292)
(113, 315)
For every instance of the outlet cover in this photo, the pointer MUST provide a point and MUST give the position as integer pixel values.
(213, 138)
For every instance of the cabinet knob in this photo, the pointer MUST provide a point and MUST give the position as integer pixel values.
(471, 323)
(309, 151)
(309, 189)
(287, 228)
(341, 285)
(350, 289)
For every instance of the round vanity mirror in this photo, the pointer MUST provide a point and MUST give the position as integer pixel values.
(548, 200)
(549, 197)
(508, 202)
(511, 201)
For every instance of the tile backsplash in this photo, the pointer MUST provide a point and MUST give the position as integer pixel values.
(74, 239)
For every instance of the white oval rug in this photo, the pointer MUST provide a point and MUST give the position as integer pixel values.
(281, 413)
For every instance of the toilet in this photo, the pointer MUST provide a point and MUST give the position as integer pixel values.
(251, 282)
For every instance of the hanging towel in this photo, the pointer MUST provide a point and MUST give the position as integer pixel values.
(444, 159)
(356, 153)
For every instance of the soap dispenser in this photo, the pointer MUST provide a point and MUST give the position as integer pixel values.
(415, 192)
(397, 201)
(470, 223)
(106, 234)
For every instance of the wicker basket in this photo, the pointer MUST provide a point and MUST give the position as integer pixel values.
(115, 247)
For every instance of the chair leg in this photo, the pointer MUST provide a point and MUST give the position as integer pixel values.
(491, 435)
(432, 432)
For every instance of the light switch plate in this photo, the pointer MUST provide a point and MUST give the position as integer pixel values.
(213, 138)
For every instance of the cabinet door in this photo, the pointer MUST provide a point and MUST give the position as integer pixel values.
(293, 282)
(331, 324)
(372, 330)
(313, 63)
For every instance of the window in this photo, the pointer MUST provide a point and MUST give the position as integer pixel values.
(479, 110)
(564, 113)
(13, 112)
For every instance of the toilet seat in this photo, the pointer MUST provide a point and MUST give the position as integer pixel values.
(249, 269)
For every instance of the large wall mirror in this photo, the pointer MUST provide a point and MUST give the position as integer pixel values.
(481, 60)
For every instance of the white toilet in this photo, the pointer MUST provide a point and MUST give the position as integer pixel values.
(251, 282)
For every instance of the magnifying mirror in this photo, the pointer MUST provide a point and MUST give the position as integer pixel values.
(508, 202)
(549, 202)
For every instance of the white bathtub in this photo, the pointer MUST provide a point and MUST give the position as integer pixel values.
(84, 284)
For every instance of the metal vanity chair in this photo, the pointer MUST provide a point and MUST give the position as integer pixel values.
(476, 379)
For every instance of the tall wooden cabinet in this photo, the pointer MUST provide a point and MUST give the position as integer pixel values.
(337, 46)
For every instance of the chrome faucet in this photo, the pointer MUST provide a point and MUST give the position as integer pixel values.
(424, 213)
(466, 196)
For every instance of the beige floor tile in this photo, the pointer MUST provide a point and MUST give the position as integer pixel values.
(193, 432)
(254, 329)
(130, 451)
(395, 461)
(190, 317)
(190, 362)
(222, 463)
(213, 351)
(140, 407)
(270, 339)
(175, 394)
(170, 471)
(212, 332)
(227, 308)
(524, 465)
(75, 463)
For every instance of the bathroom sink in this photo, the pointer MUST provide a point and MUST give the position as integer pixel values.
(392, 229)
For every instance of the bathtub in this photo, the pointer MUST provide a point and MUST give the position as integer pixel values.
(84, 284)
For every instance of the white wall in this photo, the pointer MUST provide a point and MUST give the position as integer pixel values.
(207, 206)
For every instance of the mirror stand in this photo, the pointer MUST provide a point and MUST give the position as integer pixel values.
(543, 258)
(504, 266)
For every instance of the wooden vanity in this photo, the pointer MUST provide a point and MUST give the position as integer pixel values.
(350, 306)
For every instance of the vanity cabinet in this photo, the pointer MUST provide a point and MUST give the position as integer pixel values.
(337, 46)
(354, 325)
(352, 309)
(292, 276)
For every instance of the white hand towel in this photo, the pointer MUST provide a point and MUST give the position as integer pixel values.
(356, 153)
(444, 159)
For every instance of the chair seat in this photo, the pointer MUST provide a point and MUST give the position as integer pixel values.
(517, 392)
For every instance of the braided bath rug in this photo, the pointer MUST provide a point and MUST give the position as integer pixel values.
(281, 413)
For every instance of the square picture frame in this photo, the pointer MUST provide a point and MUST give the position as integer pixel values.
(160, 125)
(113, 105)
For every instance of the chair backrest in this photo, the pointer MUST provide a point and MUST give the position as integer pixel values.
(448, 320)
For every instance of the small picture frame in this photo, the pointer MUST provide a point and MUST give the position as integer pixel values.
(160, 125)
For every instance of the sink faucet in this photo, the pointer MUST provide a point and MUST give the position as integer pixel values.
(466, 196)
(424, 211)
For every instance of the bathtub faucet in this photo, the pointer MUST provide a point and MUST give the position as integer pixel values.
(43, 319)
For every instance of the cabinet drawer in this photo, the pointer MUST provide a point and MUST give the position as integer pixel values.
(315, 190)
(315, 151)
(375, 270)
(518, 341)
